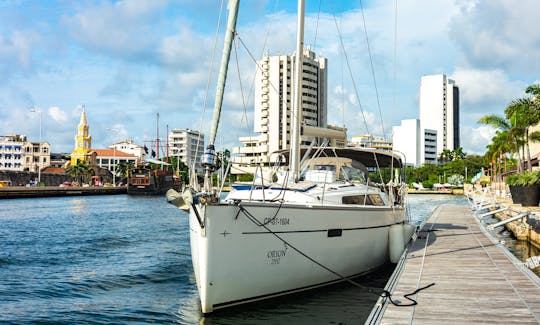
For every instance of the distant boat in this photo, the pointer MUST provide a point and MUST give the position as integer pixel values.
(145, 180)
(291, 231)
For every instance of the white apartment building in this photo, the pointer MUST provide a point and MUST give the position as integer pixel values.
(419, 146)
(406, 140)
(439, 110)
(428, 152)
(12, 152)
(17, 154)
(129, 147)
(37, 155)
(110, 158)
(187, 144)
(371, 141)
(274, 82)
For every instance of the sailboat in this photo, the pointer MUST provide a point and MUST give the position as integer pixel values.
(316, 221)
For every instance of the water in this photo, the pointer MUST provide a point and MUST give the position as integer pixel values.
(520, 249)
(125, 259)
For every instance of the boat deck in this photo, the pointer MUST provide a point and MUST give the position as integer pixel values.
(476, 279)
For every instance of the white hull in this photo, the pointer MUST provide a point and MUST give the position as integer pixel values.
(236, 261)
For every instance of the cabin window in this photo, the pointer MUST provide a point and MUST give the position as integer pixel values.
(369, 199)
(325, 167)
(351, 175)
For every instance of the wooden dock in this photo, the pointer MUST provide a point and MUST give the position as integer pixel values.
(476, 279)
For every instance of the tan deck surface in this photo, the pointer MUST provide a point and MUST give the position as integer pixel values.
(475, 281)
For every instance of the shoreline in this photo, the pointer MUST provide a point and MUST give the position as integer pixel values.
(17, 192)
(449, 192)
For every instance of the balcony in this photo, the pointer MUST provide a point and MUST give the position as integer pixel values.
(251, 150)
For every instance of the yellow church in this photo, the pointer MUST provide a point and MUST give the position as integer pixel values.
(83, 143)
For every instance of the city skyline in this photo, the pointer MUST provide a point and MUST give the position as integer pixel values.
(128, 60)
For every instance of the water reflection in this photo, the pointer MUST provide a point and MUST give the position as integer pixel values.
(337, 304)
(521, 249)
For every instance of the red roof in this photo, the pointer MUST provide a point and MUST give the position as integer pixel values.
(112, 153)
(54, 170)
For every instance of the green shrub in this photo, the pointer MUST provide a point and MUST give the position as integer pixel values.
(526, 178)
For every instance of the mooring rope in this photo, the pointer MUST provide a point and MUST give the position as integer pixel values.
(383, 293)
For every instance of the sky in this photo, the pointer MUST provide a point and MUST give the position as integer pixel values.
(125, 62)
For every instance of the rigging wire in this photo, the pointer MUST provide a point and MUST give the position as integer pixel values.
(395, 56)
(317, 26)
(214, 46)
(372, 67)
(266, 37)
(350, 72)
(240, 85)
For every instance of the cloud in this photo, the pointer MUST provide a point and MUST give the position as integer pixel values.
(184, 50)
(486, 86)
(499, 34)
(121, 29)
(476, 144)
(57, 114)
(16, 49)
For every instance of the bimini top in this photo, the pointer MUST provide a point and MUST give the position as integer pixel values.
(371, 158)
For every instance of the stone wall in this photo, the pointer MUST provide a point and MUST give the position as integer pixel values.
(23, 178)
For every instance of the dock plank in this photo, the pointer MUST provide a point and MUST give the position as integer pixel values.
(475, 280)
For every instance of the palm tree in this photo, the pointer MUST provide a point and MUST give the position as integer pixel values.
(526, 112)
(507, 131)
(458, 154)
(81, 171)
(445, 156)
(123, 168)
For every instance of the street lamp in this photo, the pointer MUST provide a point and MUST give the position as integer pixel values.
(37, 110)
(114, 158)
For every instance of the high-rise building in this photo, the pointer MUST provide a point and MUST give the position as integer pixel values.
(439, 110)
(186, 144)
(274, 83)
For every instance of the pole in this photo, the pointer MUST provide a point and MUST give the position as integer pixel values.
(37, 110)
(296, 112)
(114, 166)
(39, 154)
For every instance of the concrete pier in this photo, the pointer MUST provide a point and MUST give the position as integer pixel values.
(476, 279)
(14, 192)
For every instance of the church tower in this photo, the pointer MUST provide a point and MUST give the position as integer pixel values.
(83, 142)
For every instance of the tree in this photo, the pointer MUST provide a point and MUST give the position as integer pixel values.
(178, 167)
(81, 171)
(509, 131)
(445, 156)
(123, 168)
(523, 112)
(458, 154)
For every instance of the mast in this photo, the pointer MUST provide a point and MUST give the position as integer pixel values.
(208, 159)
(294, 164)
(229, 36)
(157, 136)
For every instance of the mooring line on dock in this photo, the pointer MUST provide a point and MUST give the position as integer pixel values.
(502, 273)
